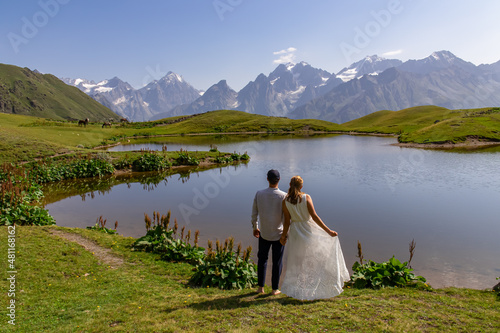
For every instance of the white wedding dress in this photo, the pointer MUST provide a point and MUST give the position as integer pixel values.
(315, 266)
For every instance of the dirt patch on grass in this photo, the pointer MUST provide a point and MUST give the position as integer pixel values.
(102, 254)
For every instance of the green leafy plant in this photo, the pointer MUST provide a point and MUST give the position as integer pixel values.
(234, 157)
(100, 225)
(391, 273)
(50, 171)
(223, 159)
(497, 287)
(20, 200)
(163, 240)
(151, 161)
(226, 269)
(185, 159)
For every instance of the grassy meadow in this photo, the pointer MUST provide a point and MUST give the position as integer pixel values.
(61, 287)
(432, 124)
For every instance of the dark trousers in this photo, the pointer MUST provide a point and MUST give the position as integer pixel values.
(262, 257)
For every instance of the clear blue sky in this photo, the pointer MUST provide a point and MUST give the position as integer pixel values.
(209, 40)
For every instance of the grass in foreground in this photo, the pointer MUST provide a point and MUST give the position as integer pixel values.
(61, 287)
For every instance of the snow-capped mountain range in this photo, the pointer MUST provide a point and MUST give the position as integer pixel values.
(302, 91)
(139, 104)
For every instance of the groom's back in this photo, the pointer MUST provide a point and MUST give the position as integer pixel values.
(269, 208)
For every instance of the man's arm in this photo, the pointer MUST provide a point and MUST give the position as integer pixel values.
(255, 214)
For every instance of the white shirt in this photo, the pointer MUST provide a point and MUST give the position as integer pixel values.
(267, 213)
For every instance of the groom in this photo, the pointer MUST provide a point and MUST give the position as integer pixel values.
(267, 206)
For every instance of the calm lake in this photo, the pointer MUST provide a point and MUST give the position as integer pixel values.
(363, 187)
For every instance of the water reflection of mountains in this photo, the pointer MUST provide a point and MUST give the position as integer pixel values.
(90, 187)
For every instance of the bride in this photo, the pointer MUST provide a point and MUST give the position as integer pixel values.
(315, 267)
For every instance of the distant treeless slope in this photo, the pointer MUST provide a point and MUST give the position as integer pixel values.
(432, 124)
(27, 92)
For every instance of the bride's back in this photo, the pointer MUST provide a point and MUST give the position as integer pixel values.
(298, 212)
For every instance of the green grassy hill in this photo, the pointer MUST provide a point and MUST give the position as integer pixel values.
(239, 121)
(25, 92)
(432, 124)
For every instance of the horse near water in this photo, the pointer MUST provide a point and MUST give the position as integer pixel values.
(106, 124)
(83, 122)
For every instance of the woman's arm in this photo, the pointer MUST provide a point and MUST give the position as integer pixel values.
(317, 219)
(286, 223)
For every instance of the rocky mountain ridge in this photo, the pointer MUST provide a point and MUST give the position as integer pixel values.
(302, 91)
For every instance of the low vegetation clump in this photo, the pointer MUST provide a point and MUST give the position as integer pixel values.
(151, 161)
(222, 268)
(234, 157)
(497, 287)
(20, 200)
(225, 268)
(185, 159)
(391, 273)
(162, 239)
(100, 225)
(51, 171)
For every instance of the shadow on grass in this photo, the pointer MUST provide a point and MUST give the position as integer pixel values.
(241, 301)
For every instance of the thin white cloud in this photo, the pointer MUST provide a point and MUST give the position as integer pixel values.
(392, 53)
(285, 56)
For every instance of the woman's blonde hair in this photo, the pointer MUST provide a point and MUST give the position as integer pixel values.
(294, 193)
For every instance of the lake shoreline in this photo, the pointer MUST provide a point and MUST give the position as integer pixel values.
(470, 143)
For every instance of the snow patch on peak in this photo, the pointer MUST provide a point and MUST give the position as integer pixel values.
(442, 55)
(302, 63)
(103, 89)
(348, 74)
(374, 58)
(120, 100)
(300, 90)
(78, 81)
(172, 77)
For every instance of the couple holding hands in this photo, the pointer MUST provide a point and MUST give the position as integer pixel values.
(315, 267)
